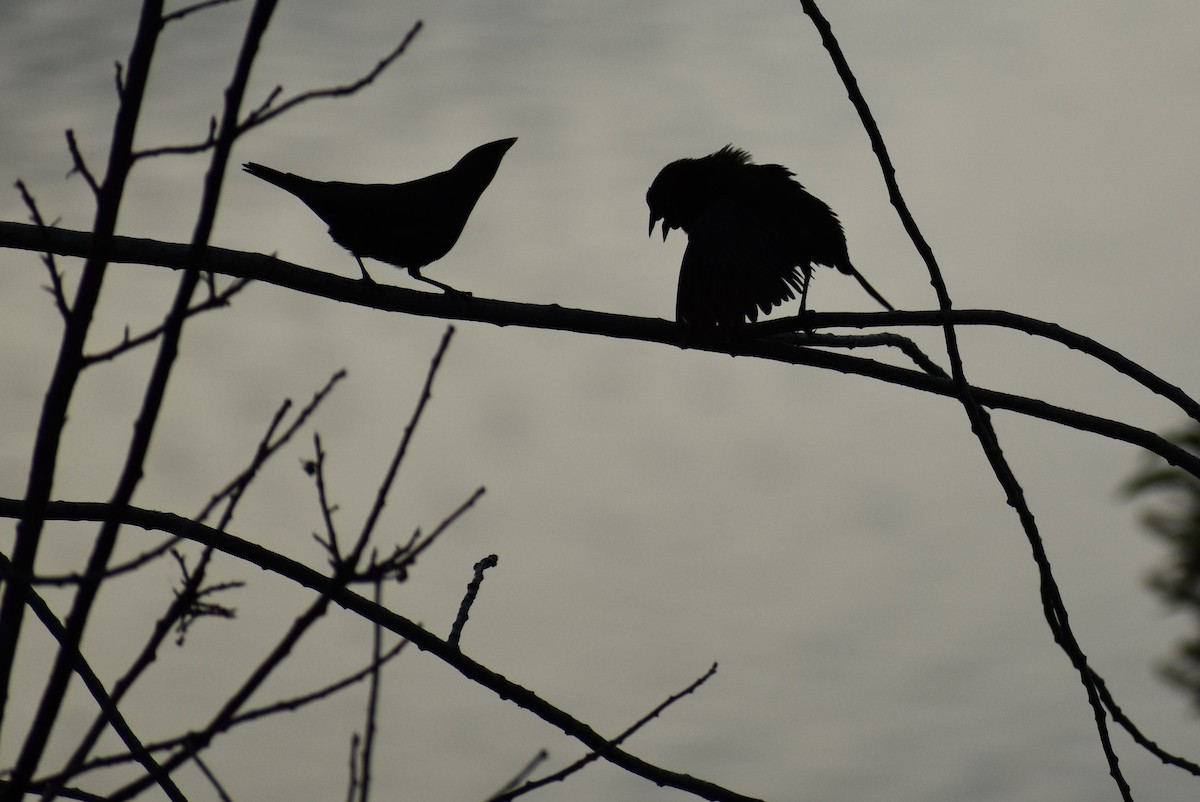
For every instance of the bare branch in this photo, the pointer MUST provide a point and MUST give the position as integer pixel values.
(267, 447)
(56, 285)
(552, 316)
(192, 9)
(464, 609)
(1001, 319)
(221, 299)
(108, 706)
(208, 143)
(1054, 607)
(212, 779)
(352, 768)
(904, 344)
(522, 775)
(368, 748)
(402, 449)
(80, 164)
(133, 564)
(286, 705)
(596, 754)
(423, 639)
(64, 791)
(404, 557)
(316, 468)
(267, 111)
(190, 601)
(132, 470)
(59, 395)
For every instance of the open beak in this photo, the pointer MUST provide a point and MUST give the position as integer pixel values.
(654, 219)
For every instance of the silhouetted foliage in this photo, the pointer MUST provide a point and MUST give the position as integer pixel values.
(1174, 517)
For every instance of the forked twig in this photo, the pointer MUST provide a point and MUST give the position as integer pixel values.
(268, 111)
(596, 754)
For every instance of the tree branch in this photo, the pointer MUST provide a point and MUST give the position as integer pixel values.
(269, 270)
(424, 640)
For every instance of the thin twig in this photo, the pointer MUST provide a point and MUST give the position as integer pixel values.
(187, 604)
(522, 775)
(399, 563)
(464, 608)
(79, 794)
(389, 477)
(851, 341)
(212, 779)
(129, 566)
(596, 754)
(1009, 320)
(368, 749)
(352, 778)
(174, 16)
(316, 468)
(128, 343)
(221, 721)
(56, 285)
(267, 447)
(290, 704)
(81, 163)
(208, 143)
(267, 111)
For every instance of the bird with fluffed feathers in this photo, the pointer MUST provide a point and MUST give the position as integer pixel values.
(754, 235)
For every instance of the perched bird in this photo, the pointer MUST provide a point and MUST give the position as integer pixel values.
(407, 225)
(754, 235)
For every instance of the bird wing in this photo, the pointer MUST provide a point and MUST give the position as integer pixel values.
(734, 266)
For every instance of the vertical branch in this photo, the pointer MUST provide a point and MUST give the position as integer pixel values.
(368, 748)
(131, 474)
(70, 361)
(1053, 606)
(401, 450)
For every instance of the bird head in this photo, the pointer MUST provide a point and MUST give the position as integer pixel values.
(684, 188)
(668, 197)
(479, 167)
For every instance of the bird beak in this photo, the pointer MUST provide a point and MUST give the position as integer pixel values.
(655, 219)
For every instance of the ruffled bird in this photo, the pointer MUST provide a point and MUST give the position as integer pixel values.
(754, 235)
(408, 225)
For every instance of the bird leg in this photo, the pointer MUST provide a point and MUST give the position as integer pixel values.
(446, 288)
(366, 276)
(807, 277)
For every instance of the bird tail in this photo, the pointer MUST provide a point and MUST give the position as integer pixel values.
(285, 181)
(866, 285)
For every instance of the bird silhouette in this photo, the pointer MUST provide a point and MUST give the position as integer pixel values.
(754, 235)
(408, 225)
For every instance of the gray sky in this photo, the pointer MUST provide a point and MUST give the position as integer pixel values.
(838, 546)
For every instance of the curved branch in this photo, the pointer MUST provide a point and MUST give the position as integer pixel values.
(421, 638)
(1008, 320)
(269, 270)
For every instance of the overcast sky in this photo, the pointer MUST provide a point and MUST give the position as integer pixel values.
(837, 545)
